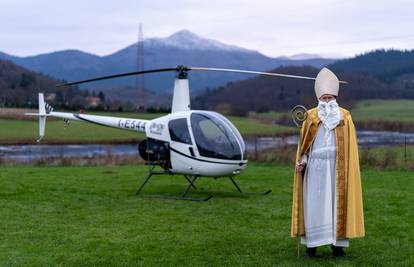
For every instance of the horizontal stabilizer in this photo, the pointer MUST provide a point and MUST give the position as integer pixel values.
(36, 114)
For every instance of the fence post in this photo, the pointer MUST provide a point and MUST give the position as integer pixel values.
(405, 150)
(255, 147)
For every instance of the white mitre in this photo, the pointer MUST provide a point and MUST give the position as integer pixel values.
(326, 83)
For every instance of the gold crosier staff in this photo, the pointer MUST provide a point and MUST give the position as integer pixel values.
(299, 115)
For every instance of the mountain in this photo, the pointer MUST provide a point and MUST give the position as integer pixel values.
(181, 48)
(70, 63)
(185, 39)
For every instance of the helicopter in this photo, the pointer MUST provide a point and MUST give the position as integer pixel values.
(191, 143)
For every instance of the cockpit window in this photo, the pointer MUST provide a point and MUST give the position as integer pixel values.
(214, 138)
(179, 131)
(235, 131)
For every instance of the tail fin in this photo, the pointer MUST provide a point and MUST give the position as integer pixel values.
(42, 115)
(42, 107)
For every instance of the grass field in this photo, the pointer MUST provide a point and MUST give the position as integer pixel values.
(369, 112)
(14, 131)
(89, 216)
(250, 126)
(384, 110)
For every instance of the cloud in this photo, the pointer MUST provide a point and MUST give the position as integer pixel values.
(272, 27)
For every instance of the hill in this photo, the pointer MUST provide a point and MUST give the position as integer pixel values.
(264, 93)
(19, 87)
(387, 65)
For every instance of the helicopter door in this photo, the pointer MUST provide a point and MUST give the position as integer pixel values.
(181, 143)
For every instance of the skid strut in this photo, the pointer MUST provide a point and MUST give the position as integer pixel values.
(191, 184)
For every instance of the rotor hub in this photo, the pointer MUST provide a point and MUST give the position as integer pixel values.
(182, 72)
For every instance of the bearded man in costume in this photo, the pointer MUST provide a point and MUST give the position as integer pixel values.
(327, 209)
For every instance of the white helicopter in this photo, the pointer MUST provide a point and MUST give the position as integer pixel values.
(192, 143)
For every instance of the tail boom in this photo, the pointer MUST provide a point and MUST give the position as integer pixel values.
(46, 110)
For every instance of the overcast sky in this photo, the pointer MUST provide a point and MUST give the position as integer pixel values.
(339, 28)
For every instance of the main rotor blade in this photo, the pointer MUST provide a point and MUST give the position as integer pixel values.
(259, 73)
(117, 76)
(181, 68)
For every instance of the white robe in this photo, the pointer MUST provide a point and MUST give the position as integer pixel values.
(319, 198)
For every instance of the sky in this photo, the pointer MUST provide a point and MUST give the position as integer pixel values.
(329, 28)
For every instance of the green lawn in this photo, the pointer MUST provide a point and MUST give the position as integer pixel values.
(89, 216)
(260, 124)
(271, 115)
(384, 110)
(14, 131)
(18, 131)
(250, 126)
(377, 110)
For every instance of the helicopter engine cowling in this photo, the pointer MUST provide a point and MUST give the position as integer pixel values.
(155, 151)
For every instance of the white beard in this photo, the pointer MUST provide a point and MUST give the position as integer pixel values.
(329, 114)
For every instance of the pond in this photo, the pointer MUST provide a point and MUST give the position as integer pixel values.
(27, 153)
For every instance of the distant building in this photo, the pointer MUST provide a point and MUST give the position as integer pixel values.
(50, 97)
(93, 101)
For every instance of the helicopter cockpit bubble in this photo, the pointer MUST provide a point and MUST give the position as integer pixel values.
(216, 137)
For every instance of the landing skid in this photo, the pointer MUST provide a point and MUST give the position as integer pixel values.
(248, 193)
(191, 184)
(181, 198)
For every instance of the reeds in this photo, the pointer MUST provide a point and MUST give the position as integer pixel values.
(98, 160)
(377, 158)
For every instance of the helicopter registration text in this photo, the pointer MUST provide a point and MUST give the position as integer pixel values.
(131, 124)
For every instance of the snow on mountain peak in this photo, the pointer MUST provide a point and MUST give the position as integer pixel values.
(186, 39)
(304, 56)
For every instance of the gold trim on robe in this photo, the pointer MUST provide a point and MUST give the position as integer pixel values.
(350, 217)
